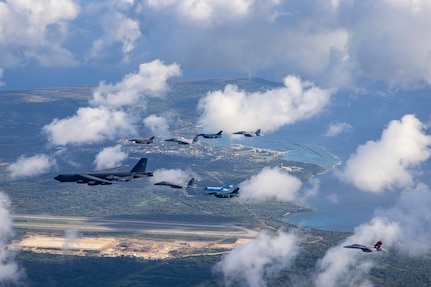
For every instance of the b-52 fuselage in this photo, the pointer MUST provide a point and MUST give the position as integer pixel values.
(106, 177)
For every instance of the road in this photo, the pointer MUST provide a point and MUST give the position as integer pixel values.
(89, 224)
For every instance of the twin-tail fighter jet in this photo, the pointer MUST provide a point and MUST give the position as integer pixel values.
(367, 248)
(107, 176)
(211, 136)
(190, 184)
(225, 193)
(248, 134)
(143, 141)
(183, 140)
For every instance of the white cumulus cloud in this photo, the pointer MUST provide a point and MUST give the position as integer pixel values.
(259, 260)
(233, 109)
(31, 166)
(389, 162)
(112, 112)
(270, 184)
(110, 157)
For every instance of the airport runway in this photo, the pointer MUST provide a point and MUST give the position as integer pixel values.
(117, 225)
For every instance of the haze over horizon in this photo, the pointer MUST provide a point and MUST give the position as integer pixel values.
(370, 58)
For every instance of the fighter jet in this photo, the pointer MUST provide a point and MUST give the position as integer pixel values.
(190, 184)
(143, 141)
(225, 194)
(106, 177)
(248, 134)
(211, 136)
(367, 248)
(183, 140)
(219, 188)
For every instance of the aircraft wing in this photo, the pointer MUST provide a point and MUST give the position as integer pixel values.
(95, 178)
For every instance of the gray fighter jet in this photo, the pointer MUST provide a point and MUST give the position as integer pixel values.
(211, 136)
(190, 184)
(183, 140)
(106, 177)
(367, 248)
(248, 134)
(143, 141)
(225, 194)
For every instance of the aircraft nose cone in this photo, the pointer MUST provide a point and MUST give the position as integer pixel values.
(58, 177)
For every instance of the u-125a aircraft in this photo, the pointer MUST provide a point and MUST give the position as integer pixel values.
(106, 177)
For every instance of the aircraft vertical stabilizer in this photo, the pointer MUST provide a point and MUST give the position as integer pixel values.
(141, 166)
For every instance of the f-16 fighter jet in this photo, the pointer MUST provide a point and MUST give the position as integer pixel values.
(107, 176)
(248, 134)
(367, 248)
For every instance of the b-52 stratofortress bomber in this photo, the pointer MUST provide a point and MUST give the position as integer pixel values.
(106, 177)
(367, 248)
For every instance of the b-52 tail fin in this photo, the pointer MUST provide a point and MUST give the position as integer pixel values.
(141, 166)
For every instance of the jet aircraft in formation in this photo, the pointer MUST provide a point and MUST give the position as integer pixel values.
(225, 193)
(143, 141)
(248, 134)
(219, 188)
(183, 140)
(367, 248)
(107, 176)
(190, 184)
(211, 136)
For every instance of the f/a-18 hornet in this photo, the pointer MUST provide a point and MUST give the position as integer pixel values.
(143, 141)
(107, 176)
(367, 248)
(248, 134)
(225, 193)
(183, 140)
(211, 136)
(190, 184)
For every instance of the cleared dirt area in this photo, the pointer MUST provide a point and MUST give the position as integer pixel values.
(121, 246)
